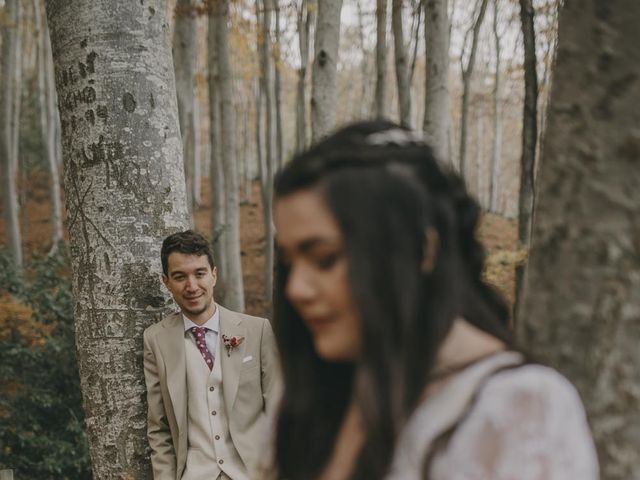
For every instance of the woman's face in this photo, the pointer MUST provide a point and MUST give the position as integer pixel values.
(312, 246)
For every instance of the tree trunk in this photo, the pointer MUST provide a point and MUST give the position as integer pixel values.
(363, 101)
(266, 175)
(234, 289)
(496, 150)
(48, 112)
(581, 303)
(216, 169)
(436, 113)
(8, 151)
(184, 64)
(529, 136)
(305, 20)
(402, 68)
(277, 48)
(381, 59)
(325, 64)
(125, 192)
(467, 74)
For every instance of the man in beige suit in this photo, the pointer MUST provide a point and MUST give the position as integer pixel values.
(211, 375)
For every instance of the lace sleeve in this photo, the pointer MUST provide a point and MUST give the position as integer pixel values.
(527, 424)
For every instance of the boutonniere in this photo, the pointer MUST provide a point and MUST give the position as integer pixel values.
(231, 342)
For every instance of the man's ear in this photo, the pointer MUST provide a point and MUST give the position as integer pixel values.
(430, 249)
(214, 272)
(165, 280)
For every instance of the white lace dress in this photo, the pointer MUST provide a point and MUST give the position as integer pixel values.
(526, 423)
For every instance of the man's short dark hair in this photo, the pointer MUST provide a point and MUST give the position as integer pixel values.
(185, 242)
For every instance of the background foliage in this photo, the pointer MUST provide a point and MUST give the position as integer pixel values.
(41, 418)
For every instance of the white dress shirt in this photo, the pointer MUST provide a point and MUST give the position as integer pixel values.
(211, 334)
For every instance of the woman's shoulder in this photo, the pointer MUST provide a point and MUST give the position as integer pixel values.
(524, 421)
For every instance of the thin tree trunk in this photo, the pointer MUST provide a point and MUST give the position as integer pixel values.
(381, 59)
(305, 20)
(529, 136)
(266, 184)
(402, 68)
(363, 108)
(216, 169)
(436, 113)
(46, 101)
(582, 294)
(467, 73)
(184, 64)
(415, 35)
(234, 289)
(125, 192)
(8, 151)
(325, 64)
(496, 150)
(277, 48)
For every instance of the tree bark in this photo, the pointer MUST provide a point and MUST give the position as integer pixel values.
(436, 113)
(216, 169)
(402, 68)
(305, 20)
(8, 149)
(234, 289)
(125, 192)
(48, 114)
(381, 59)
(277, 48)
(467, 74)
(266, 171)
(496, 150)
(529, 123)
(184, 64)
(581, 304)
(325, 64)
(529, 137)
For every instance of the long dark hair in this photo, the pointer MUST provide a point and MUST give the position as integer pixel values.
(385, 190)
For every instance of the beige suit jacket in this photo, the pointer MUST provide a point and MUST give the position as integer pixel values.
(249, 388)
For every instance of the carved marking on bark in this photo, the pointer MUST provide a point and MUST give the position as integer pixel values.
(129, 102)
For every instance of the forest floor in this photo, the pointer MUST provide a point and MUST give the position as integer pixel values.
(498, 234)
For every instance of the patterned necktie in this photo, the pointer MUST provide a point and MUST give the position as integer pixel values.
(199, 333)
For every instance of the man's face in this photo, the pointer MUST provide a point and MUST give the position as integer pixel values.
(190, 280)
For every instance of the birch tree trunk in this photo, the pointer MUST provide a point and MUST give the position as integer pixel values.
(381, 59)
(529, 136)
(234, 289)
(496, 150)
(436, 112)
(364, 106)
(402, 68)
(184, 64)
(277, 48)
(125, 192)
(48, 114)
(529, 123)
(467, 73)
(216, 169)
(8, 151)
(305, 20)
(325, 64)
(266, 170)
(581, 306)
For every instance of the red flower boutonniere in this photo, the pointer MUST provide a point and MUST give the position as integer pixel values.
(231, 342)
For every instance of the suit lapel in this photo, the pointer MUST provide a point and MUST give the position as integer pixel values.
(230, 362)
(172, 340)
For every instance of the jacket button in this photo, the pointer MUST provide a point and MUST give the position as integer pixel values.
(213, 413)
(217, 437)
(211, 389)
(220, 462)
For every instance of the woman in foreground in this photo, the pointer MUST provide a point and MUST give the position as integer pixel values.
(397, 358)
